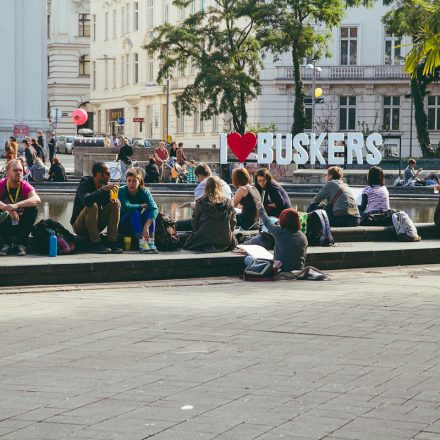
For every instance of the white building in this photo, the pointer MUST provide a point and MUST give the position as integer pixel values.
(23, 73)
(68, 62)
(364, 85)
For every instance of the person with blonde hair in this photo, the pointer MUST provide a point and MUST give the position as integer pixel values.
(213, 221)
(138, 211)
(38, 171)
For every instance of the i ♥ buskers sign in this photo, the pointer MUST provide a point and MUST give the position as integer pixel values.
(303, 148)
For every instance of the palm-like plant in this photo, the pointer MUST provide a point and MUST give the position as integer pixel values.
(426, 43)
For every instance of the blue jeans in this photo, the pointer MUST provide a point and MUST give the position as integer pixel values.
(133, 223)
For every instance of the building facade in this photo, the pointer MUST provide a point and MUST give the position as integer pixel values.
(23, 85)
(68, 42)
(364, 85)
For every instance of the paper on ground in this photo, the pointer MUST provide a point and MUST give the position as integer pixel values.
(256, 251)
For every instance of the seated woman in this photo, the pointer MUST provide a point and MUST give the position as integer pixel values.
(213, 221)
(38, 171)
(290, 242)
(138, 210)
(375, 200)
(340, 204)
(245, 197)
(152, 174)
(57, 173)
(275, 197)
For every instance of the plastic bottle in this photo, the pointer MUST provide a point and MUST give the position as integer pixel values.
(53, 246)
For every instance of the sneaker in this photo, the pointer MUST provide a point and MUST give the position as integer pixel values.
(115, 248)
(4, 250)
(99, 248)
(143, 246)
(153, 247)
(21, 251)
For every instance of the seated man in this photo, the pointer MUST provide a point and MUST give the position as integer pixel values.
(202, 172)
(94, 210)
(18, 209)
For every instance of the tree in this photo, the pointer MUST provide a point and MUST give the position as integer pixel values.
(426, 40)
(303, 28)
(408, 17)
(221, 45)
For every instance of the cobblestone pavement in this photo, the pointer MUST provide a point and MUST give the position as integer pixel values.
(354, 358)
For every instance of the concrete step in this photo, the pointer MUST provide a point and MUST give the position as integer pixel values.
(86, 268)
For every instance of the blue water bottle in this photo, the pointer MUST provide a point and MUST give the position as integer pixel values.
(53, 245)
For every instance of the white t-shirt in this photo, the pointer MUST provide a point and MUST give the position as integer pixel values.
(378, 198)
(200, 190)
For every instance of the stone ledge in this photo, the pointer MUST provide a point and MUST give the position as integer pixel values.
(86, 268)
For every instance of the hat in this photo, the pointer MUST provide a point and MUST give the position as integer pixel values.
(12, 138)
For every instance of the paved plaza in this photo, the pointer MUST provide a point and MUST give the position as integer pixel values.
(354, 358)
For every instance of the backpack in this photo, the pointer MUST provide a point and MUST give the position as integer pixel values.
(318, 229)
(261, 270)
(44, 229)
(166, 238)
(404, 227)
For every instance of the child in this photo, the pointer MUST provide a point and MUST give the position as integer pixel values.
(190, 176)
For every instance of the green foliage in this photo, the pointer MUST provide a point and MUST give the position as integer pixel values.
(262, 128)
(302, 27)
(221, 44)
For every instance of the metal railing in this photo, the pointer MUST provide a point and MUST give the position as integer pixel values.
(384, 72)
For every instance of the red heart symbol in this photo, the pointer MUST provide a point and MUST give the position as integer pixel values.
(240, 145)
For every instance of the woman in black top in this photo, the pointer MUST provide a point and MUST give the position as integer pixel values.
(152, 172)
(173, 149)
(57, 173)
(275, 197)
(246, 197)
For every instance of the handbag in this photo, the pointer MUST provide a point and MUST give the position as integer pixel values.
(261, 270)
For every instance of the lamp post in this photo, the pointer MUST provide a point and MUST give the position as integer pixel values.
(168, 111)
(314, 70)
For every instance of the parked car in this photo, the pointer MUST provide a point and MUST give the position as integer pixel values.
(65, 144)
(86, 132)
(146, 143)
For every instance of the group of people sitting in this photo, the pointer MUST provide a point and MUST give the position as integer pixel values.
(130, 210)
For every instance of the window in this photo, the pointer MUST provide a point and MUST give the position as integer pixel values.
(149, 122)
(181, 122)
(114, 23)
(123, 67)
(114, 73)
(122, 21)
(127, 69)
(348, 46)
(192, 67)
(150, 12)
(48, 66)
(433, 112)
(202, 5)
(392, 49)
(94, 27)
(193, 7)
(135, 16)
(94, 75)
(84, 65)
(84, 25)
(180, 70)
(165, 11)
(48, 25)
(135, 68)
(150, 70)
(127, 17)
(391, 112)
(106, 26)
(347, 112)
(182, 13)
(215, 123)
(106, 74)
(198, 121)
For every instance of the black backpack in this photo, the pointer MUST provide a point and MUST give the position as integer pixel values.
(44, 229)
(166, 238)
(316, 234)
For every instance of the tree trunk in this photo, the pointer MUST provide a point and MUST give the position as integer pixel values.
(418, 91)
(299, 116)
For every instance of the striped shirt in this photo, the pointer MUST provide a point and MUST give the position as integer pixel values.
(378, 198)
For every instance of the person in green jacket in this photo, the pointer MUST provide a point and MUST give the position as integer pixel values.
(138, 211)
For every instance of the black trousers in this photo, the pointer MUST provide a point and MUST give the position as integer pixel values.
(21, 231)
(184, 225)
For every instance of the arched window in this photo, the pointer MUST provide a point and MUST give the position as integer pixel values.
(84, 65)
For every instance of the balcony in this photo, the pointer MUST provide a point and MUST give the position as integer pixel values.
(284, 74)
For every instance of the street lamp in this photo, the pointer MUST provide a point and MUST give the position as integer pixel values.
(315, 69)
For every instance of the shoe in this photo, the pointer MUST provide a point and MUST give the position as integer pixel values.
(153, 248)
(143, 246)
(4, 250)
(114, 247)
(99, 248)
(21, 251)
